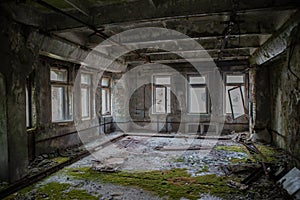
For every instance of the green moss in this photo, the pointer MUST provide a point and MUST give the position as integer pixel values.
(268, 152)
(19, 193)
(205, 168)
(175, 183)
(60, 160)
(53, 191)
(240, 149)
(238, 160)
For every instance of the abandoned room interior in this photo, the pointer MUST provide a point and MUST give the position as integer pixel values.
(150, 99)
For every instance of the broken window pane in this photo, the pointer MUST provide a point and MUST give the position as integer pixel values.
(233, 81)
(228, 107)
(236, 102)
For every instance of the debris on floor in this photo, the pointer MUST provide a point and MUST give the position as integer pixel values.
(134, 168)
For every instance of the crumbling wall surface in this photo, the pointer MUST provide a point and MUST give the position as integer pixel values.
(285, 107)
(262, 96)
(18, 55)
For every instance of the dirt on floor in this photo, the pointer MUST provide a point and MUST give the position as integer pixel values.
(136, 167)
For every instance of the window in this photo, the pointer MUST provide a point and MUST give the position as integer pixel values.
(197, 95)
(105, 92)
(28, 93)
(235, 95)
(30, 103)
(61, 96)
(85, 96)
(162, 94)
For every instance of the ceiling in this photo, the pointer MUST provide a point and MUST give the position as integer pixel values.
(228, 30)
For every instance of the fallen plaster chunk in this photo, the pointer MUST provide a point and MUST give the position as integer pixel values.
(291, 182)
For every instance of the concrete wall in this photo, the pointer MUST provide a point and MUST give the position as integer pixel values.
(18, 56)
(3, 131)
(51, 136)
(277, 98)
(285, 102)
(140, 103)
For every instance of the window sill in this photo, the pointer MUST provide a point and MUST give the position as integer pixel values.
(198, 114)
(64, 123)
(106, 116)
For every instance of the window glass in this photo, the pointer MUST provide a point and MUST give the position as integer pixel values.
(234, 79)
(162, 94)
(197, 95)
(85, 102)
(237, 102)
(105, 101)
(61, 96)
(28, 113)
(59, 75)
(85, 79)
(105, 96)
(162, 80)
(197, 80)
(105, 82)
(197, 100)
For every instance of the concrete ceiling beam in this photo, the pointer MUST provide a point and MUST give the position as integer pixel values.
(144, 10)
(57, 49)
(194, 60)
(208, 43)
(277, 44)
(81, 6)
(178, 55)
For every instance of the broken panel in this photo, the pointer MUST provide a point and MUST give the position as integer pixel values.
(236, 102)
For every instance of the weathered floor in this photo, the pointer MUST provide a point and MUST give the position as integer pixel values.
(137, 167)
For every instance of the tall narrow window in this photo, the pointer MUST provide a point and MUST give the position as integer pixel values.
(235, 98)
(28, 105)
(85, 96)
(197, 95)
(61, 96)
(162, 94)
(105, 91)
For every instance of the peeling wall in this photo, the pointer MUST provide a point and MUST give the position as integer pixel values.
(18, 58)
(278, 98)
(285, 106)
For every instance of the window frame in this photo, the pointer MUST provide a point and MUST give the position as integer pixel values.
(166, 87)
(197, 86)
(29, 103)
(234, 85)
(87, 86)
(107, 96)
(68, 104)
